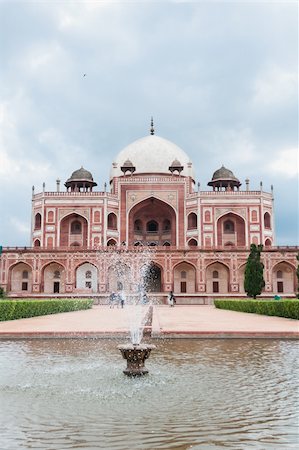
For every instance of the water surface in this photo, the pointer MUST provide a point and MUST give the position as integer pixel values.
(199, 394)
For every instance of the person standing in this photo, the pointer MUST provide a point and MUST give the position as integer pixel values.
(122, 298)
(171, 299)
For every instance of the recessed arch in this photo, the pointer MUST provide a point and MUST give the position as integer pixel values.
(184, 276)
(284, 278)
(192, 221)
(234, 233)
(119, 277)
(241, 277)
(86, 277)
(37, 221)
(73, 229)
(192, 242)
(158, 221)
(111, 242)
(267, 220)
(20, 278)
(153, 277)
(268, 243)
(112, 221)
(219, 285)
(152, 226)
(36, 243)
(51, 283)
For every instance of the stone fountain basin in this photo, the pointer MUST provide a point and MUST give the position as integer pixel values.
(135, 355)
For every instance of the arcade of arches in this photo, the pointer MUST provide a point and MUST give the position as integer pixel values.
(184, 279)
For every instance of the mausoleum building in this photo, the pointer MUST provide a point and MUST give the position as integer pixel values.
(199, 237)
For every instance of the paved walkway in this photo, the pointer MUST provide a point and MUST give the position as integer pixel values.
(178, 322)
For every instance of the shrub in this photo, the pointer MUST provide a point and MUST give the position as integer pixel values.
(20, 309)
(2, 292)
(280, 308)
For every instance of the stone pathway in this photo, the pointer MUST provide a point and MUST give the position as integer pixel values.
(178, 322)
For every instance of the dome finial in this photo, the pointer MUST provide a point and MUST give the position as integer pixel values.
(152, 126)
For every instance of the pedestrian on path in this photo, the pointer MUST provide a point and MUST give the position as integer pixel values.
(112, 299)
(122, 298)
(171, 299)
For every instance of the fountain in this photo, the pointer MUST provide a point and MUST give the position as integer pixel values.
(136, 354)
(129, 272)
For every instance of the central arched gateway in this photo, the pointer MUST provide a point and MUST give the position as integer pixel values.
(153, 278)
(152, 222)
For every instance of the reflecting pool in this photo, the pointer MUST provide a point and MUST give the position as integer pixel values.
(199, 394)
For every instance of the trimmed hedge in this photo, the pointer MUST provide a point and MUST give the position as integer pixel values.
(281, 308)
(20, 309)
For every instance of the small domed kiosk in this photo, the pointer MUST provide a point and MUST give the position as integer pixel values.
(80, 181)
(224, 179)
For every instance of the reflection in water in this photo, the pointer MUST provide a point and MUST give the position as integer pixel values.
(200, 394)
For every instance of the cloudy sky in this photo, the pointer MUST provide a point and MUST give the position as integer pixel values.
(220, 79)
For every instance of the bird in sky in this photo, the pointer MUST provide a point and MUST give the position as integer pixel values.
(84, 75)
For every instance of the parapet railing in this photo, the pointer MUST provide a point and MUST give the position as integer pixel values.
(114, 195)
(154, 248)
(74, 194)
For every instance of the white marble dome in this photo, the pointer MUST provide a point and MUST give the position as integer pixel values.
(152, 154)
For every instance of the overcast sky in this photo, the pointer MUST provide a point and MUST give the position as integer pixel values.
(220, 79)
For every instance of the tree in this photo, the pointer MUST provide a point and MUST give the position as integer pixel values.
(2, 293)
(254, 279)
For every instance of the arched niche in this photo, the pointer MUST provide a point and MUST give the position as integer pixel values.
(87, 278)
(284, 278)
(192, 243)
(119, 277)
(37, 221)
(192, 221)
(111, 242)
(267, 220)
(217, 284)
(53, 278)
(184, 276)
(73, 230)
(156, 223)
(268, 243)
(152, 274)
(231, 228)
(112, 221)
(21, 279)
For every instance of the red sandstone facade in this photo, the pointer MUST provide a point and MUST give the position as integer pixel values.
(200, 239)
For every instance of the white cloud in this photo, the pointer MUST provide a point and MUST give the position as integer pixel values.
(19, 226)
(286, 163)
(275, 86)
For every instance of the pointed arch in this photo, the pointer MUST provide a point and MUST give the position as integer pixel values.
(284, 278)
(184, 276)
(231, 227)
(158, 220)
(192, 221)
(73, 229)
(86, 277)
(219, 284)
(112, 221)
(51, 282)
(37, 221)
(20, 278)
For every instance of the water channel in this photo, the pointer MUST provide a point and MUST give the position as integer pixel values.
(199, 394)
